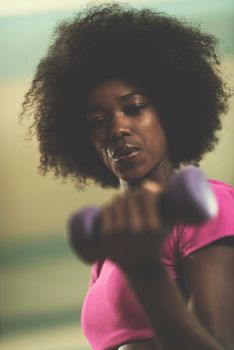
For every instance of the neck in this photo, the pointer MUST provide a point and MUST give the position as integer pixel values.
(160, 174)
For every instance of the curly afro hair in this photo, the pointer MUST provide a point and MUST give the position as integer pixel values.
(174, 62)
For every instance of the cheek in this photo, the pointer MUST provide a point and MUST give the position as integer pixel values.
(102, 154)
(155, 141)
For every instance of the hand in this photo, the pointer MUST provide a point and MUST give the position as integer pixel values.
(130, 227)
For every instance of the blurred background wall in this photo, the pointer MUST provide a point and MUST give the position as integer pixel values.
(42, 282)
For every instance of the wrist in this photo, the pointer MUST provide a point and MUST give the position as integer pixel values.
(146, 271)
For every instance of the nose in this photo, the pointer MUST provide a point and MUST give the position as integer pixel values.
(120, 127)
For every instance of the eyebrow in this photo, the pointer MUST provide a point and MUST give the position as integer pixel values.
(96, 108)
(131, 94)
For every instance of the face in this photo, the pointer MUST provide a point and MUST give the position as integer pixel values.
(126, 131)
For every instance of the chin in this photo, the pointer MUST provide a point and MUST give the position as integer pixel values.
(132, 179)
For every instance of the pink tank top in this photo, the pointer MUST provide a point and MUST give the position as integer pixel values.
(111, 315)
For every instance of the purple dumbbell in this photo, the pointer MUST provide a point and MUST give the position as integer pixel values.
(188, 199)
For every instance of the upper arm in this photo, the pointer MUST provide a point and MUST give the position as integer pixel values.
(208, 280)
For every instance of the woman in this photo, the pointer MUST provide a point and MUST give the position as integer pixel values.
(124, 97)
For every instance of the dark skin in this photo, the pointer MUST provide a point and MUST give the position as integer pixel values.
(199, 314)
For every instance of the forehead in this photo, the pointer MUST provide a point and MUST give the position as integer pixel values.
(112, 90)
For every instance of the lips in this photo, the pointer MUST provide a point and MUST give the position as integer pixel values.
(124, 152)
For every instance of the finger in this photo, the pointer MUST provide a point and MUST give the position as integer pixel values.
(106, 219)
(114, 216)
(151, 202)
(119, 214)
(135, 214)
(151, 214)
(152, 186)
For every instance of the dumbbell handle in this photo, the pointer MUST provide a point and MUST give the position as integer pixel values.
(188, 199)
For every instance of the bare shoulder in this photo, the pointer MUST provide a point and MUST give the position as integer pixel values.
(208, 279)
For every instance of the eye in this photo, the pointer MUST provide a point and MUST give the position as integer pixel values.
(96, 122)
(135, 109)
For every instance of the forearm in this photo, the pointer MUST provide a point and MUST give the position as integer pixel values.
(175, 326)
